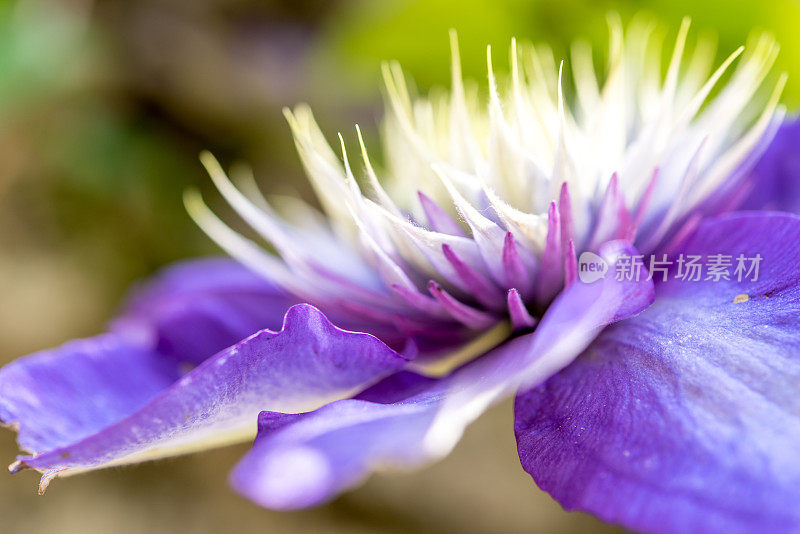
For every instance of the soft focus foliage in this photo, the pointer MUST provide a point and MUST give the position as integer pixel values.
(413, 31)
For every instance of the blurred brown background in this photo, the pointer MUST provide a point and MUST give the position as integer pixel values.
(104, 107)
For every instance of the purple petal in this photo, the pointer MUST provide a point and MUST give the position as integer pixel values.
(56, 397)
(194, 309)
(185, 314)
(775, 179)
(407, 420)
(304, 460)
(687, 417)
(307, 364)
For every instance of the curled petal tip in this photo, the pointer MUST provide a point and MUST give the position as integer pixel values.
(47, 477)
(16, 466)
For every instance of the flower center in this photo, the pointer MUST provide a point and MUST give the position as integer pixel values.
(483, 207)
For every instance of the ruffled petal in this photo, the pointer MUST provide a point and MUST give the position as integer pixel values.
(183, 315)
(685, 418)
(194, 309)
(307, 364)
(774, 183)
(302, 460)
(407, 420)
(56, 397)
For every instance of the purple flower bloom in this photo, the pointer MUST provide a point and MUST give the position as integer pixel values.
(382, 328)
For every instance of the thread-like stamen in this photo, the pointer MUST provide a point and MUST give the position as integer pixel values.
(527, 175)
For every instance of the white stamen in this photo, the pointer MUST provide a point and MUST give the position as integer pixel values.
(498, 165)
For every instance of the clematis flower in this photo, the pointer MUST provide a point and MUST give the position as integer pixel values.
(368, 336)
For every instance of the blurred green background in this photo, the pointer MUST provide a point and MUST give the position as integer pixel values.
(104, 107)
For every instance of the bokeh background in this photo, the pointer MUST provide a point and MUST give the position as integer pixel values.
(104, 107)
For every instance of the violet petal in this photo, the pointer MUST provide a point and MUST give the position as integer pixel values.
(408, 420)
(776, 177)
(307, 364)
(685, 418)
